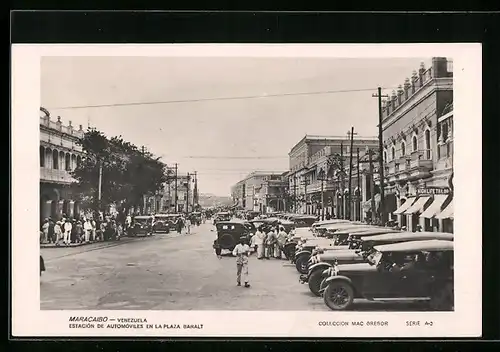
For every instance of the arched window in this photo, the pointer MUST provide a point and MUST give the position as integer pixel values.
(393, 153)
(55, 159)
(73, 161)
(414, 143)
(61, 160)
(427, 135)
(67, 162)
(42, 156)
(403, 148)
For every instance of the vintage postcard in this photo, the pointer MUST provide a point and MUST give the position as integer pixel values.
(246, 190)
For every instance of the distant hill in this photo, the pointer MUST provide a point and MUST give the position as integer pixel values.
(210, 200)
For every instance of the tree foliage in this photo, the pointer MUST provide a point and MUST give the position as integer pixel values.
(128, 173)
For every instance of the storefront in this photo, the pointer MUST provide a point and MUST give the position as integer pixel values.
(427, 209)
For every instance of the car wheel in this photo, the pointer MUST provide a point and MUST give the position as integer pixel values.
(301, 263)
(315, 281)
(339, 295)
(323, 284)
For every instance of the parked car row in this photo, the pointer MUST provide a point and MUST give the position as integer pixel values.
(341, 261)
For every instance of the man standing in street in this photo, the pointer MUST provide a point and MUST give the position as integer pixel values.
(241, 252)
(67, 232)
(259, 242)
(87, 228)
(188, 225)
(45, 230)
(270, 243)
(280, 242)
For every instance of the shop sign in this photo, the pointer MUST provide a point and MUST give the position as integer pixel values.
(433, 190)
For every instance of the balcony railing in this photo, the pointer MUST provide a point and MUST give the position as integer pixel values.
(421, 159)
(54, 175)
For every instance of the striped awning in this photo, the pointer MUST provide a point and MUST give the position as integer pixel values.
(435, 207)
(418, 206)
(405, 206)
(447, 213)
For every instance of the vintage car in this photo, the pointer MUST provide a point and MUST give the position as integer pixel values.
(305, 248)
(288, 225)
(364, 246)
(406, 271)
(222, 216)
(230, 232)
(303, 220)
(358, 251)
(142, 225)
(162, 223)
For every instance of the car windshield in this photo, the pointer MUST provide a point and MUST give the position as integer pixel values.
(374, 258)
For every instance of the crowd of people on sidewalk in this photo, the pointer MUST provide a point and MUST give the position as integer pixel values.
(84, 229)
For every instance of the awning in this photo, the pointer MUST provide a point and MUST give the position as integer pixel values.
(418, 206)
(447, 213)
(404, 206)
(368, 204)
(435, 207)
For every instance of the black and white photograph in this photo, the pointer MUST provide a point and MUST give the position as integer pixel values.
(265, 184)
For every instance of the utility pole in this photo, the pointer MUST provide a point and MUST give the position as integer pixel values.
(342, 215)
(99, 193)
(372, 184)
(187, 192)
(195, 191)
(175, 189)
(358, 201)
(295, 193)
(348, 208)
(381, 153)
(306, 183)
(322, 197)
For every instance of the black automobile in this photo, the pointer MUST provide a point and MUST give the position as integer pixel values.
(408, 271)
(162, 223)
(229, 234)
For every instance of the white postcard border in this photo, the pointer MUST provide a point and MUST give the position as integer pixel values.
(465, 321)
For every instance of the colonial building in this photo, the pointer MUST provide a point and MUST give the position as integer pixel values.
(418, 147)
(164, 201)
(262, 191)
(317, 178)
(59, 154)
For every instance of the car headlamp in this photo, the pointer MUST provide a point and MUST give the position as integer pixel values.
(335, 269)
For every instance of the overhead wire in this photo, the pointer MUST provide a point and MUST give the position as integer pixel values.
(197, 100)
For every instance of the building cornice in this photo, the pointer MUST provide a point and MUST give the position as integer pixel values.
(431, 86)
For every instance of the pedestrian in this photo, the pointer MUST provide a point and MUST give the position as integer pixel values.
(58, 233)
(281, 240)
(80, 234)
(87, 228)
(259, 242)
(188, 226)
(178, 225)
(241, 252)
(51, 231)
(68, 227)
(270, 241)
(45, 230)
(253, 245)
(419, 228)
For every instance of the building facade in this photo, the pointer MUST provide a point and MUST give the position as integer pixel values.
(263, 191)
(59, 155)
(418, 147)
(164, 201)
(319, 178)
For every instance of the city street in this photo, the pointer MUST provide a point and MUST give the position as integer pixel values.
(170, 272)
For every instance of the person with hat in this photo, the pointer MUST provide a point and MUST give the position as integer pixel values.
(241, 252)
(281, 240)
(58, 233)
(68, 227)
(45, 230)
(259, 242)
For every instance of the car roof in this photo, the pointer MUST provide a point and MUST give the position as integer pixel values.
(223, 213)
(333, 221)
(410, 236)
(232, 222)
(375, 230)
(417, 246)
(142, 217)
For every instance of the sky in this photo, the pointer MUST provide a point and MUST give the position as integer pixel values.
(222, 139)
